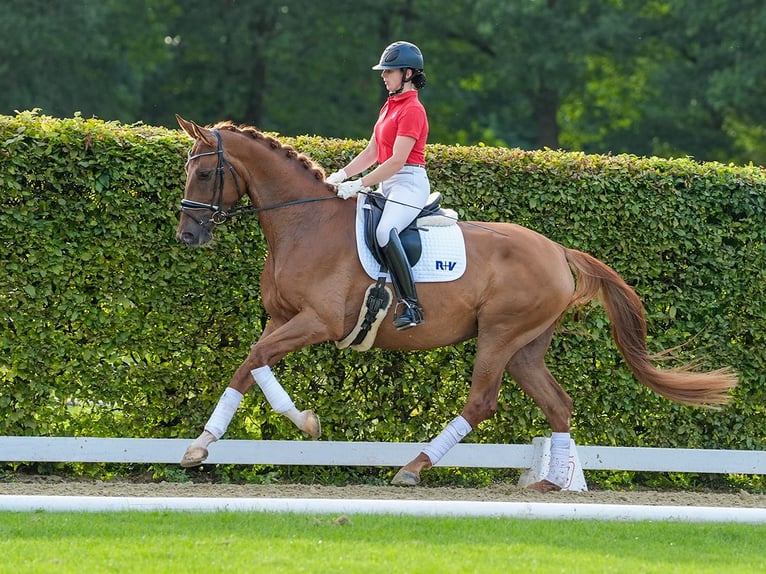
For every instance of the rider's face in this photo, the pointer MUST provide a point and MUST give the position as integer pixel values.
(392, 79)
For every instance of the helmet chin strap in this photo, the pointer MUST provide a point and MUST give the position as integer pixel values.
(401, 86)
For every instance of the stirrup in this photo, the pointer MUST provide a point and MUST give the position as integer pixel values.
(411, 316)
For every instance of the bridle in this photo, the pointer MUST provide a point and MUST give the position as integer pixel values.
(218, 215)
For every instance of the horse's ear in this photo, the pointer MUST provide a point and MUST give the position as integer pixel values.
(196, 132)
(187, 126)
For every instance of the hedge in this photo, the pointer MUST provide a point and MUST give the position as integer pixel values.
(113, 328)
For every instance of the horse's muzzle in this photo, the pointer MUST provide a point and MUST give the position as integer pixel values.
(194, 236)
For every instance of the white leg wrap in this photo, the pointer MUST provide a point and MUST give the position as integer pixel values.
(279, 400)
(558, 471)
(452, 434)
(224, 412)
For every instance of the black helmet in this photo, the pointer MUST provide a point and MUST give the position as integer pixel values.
(400, 55)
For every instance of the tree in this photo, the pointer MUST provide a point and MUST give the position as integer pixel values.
(535, 57)
(89, 57)
(693, 88)
(668, 77)
(218, 64)
(321, 81)
(712, 81)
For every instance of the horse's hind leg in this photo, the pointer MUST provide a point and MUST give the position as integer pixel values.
(528, 369)
(481, 404)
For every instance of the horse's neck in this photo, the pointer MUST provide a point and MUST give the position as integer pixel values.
(289, 223)
(282, 187)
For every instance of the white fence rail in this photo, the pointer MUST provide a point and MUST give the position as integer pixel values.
(334, 453)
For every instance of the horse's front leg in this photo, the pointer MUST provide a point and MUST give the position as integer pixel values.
(280, 401)
(307, 421)
(273, 345)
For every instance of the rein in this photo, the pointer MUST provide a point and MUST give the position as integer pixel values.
(218, 216)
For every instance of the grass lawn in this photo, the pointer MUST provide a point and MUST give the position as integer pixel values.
(147, 542)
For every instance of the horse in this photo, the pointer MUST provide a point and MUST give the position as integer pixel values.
(516, 287)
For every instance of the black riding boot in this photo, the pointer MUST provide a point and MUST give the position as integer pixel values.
(404, 284)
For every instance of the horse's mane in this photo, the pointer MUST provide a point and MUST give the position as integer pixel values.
(312, 166)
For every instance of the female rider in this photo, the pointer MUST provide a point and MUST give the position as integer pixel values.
(397, 145)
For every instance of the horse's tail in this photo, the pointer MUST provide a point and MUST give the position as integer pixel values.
(626, 314)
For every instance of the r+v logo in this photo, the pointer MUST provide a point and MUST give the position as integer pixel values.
(446, 265)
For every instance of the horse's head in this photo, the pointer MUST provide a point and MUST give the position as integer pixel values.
(212, 185)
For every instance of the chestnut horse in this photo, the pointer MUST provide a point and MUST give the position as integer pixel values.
(516, 286)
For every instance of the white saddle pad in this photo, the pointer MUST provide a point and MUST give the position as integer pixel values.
(443, 257)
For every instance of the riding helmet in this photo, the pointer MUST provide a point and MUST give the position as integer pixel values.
(400, 55)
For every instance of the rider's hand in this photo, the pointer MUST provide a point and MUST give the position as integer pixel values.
(337, 177)
(350, 188)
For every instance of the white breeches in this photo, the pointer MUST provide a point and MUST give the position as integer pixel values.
(407, 192)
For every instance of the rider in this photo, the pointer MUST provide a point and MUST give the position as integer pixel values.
(397, 145)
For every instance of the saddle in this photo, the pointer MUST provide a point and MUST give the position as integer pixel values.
(378, 298)
(410, 236)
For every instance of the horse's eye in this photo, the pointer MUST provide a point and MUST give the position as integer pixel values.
(204, 174)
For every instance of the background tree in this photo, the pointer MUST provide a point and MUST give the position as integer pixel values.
(713, 81)
(218, 62)
(530, 58)
(669, 77)
(694, 85)
(91, 57)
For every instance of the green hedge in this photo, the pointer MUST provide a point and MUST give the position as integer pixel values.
(112, 328)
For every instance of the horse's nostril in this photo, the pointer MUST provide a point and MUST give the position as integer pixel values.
(187, 237)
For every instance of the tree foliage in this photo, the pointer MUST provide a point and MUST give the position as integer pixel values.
(670, 78)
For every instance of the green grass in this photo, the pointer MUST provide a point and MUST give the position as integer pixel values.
(145, 543)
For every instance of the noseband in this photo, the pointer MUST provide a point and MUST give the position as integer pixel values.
(215, 207)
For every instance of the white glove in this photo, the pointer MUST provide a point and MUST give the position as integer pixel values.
(337, 177)
(350, 188)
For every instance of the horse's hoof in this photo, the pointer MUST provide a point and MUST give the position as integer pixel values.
(405, 478)
(544, 486)
(311, 425)
(194, 456)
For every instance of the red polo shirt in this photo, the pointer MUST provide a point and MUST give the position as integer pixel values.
(402, 115)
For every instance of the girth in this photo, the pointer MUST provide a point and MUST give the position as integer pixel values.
(410, 236)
